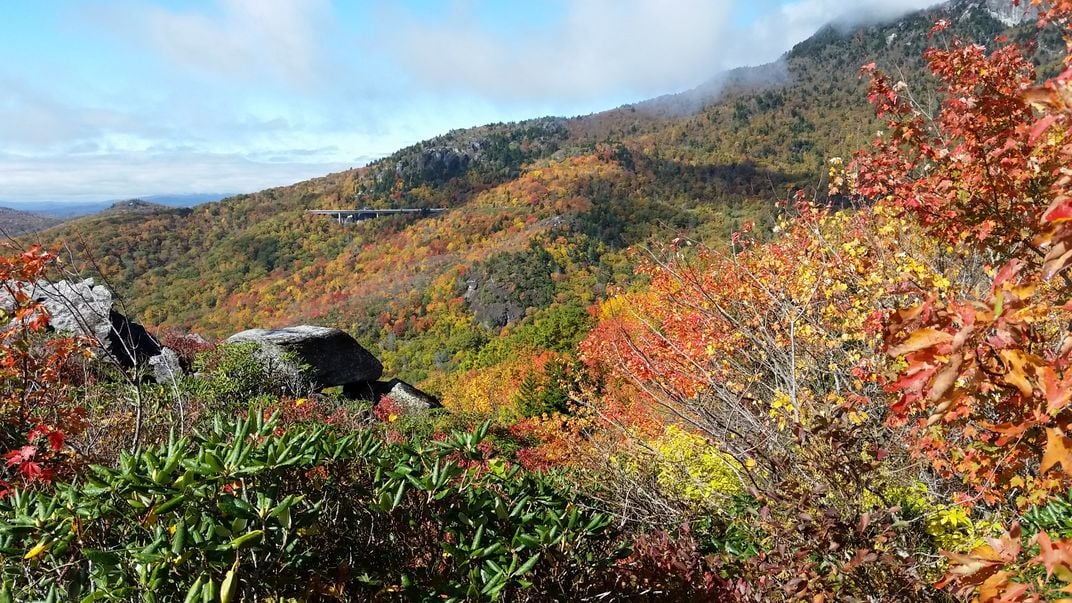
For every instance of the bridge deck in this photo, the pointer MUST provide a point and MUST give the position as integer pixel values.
(357, 215)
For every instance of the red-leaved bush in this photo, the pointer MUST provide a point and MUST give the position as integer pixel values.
(36, 409)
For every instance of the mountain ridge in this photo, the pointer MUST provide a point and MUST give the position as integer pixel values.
(15, 222)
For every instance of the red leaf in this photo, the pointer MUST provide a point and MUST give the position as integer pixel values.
(1007, 273)
(1041, 126)
(31, 471)
(55, 440)
(1059, 210)
(22, 455)
(939, 26)
(1058, 393)
(1053, 555)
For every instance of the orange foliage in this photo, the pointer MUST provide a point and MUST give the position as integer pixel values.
(986, 375)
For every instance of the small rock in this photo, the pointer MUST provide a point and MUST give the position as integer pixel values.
(166, 366)
(404, 394)
(409, 397)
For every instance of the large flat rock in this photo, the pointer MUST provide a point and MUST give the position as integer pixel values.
(332, 356)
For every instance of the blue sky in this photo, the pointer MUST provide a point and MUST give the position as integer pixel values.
(122, 98)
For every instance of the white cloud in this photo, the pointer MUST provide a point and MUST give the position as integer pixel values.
(244, 40)
(31, 118)
(610, 48)
(600, 47)
(796, 21)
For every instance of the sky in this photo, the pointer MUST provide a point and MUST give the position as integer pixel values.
(114, 99)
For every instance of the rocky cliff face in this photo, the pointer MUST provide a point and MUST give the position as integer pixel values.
(1002, 10)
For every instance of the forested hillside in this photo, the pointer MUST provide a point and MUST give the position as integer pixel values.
(15, 222)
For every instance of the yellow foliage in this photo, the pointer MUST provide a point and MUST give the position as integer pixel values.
(950, 526)
(493, 391)
(693, 471)
(614, 306)
(38, 549)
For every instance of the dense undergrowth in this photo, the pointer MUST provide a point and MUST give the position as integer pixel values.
(869, 403)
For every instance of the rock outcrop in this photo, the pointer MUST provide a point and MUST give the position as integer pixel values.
(325, 356)
(409, 397)
(88, 309)
(1010, 15)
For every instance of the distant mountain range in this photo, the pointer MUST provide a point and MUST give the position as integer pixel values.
(33, 216)
(71, 209)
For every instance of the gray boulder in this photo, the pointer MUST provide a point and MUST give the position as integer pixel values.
(404, 394)
(77, 307)
(332, 356)
(87, 309)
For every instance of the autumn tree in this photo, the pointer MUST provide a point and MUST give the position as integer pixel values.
(982, 374)
(770, 350)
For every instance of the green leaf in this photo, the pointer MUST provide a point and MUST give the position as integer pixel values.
(248, 538)
(208, 591)
(195, 590)
(230, 584)
(527, 566)
(170, 504)
(477, 537)
(101, 558)
(178, 541)
(96, 595)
